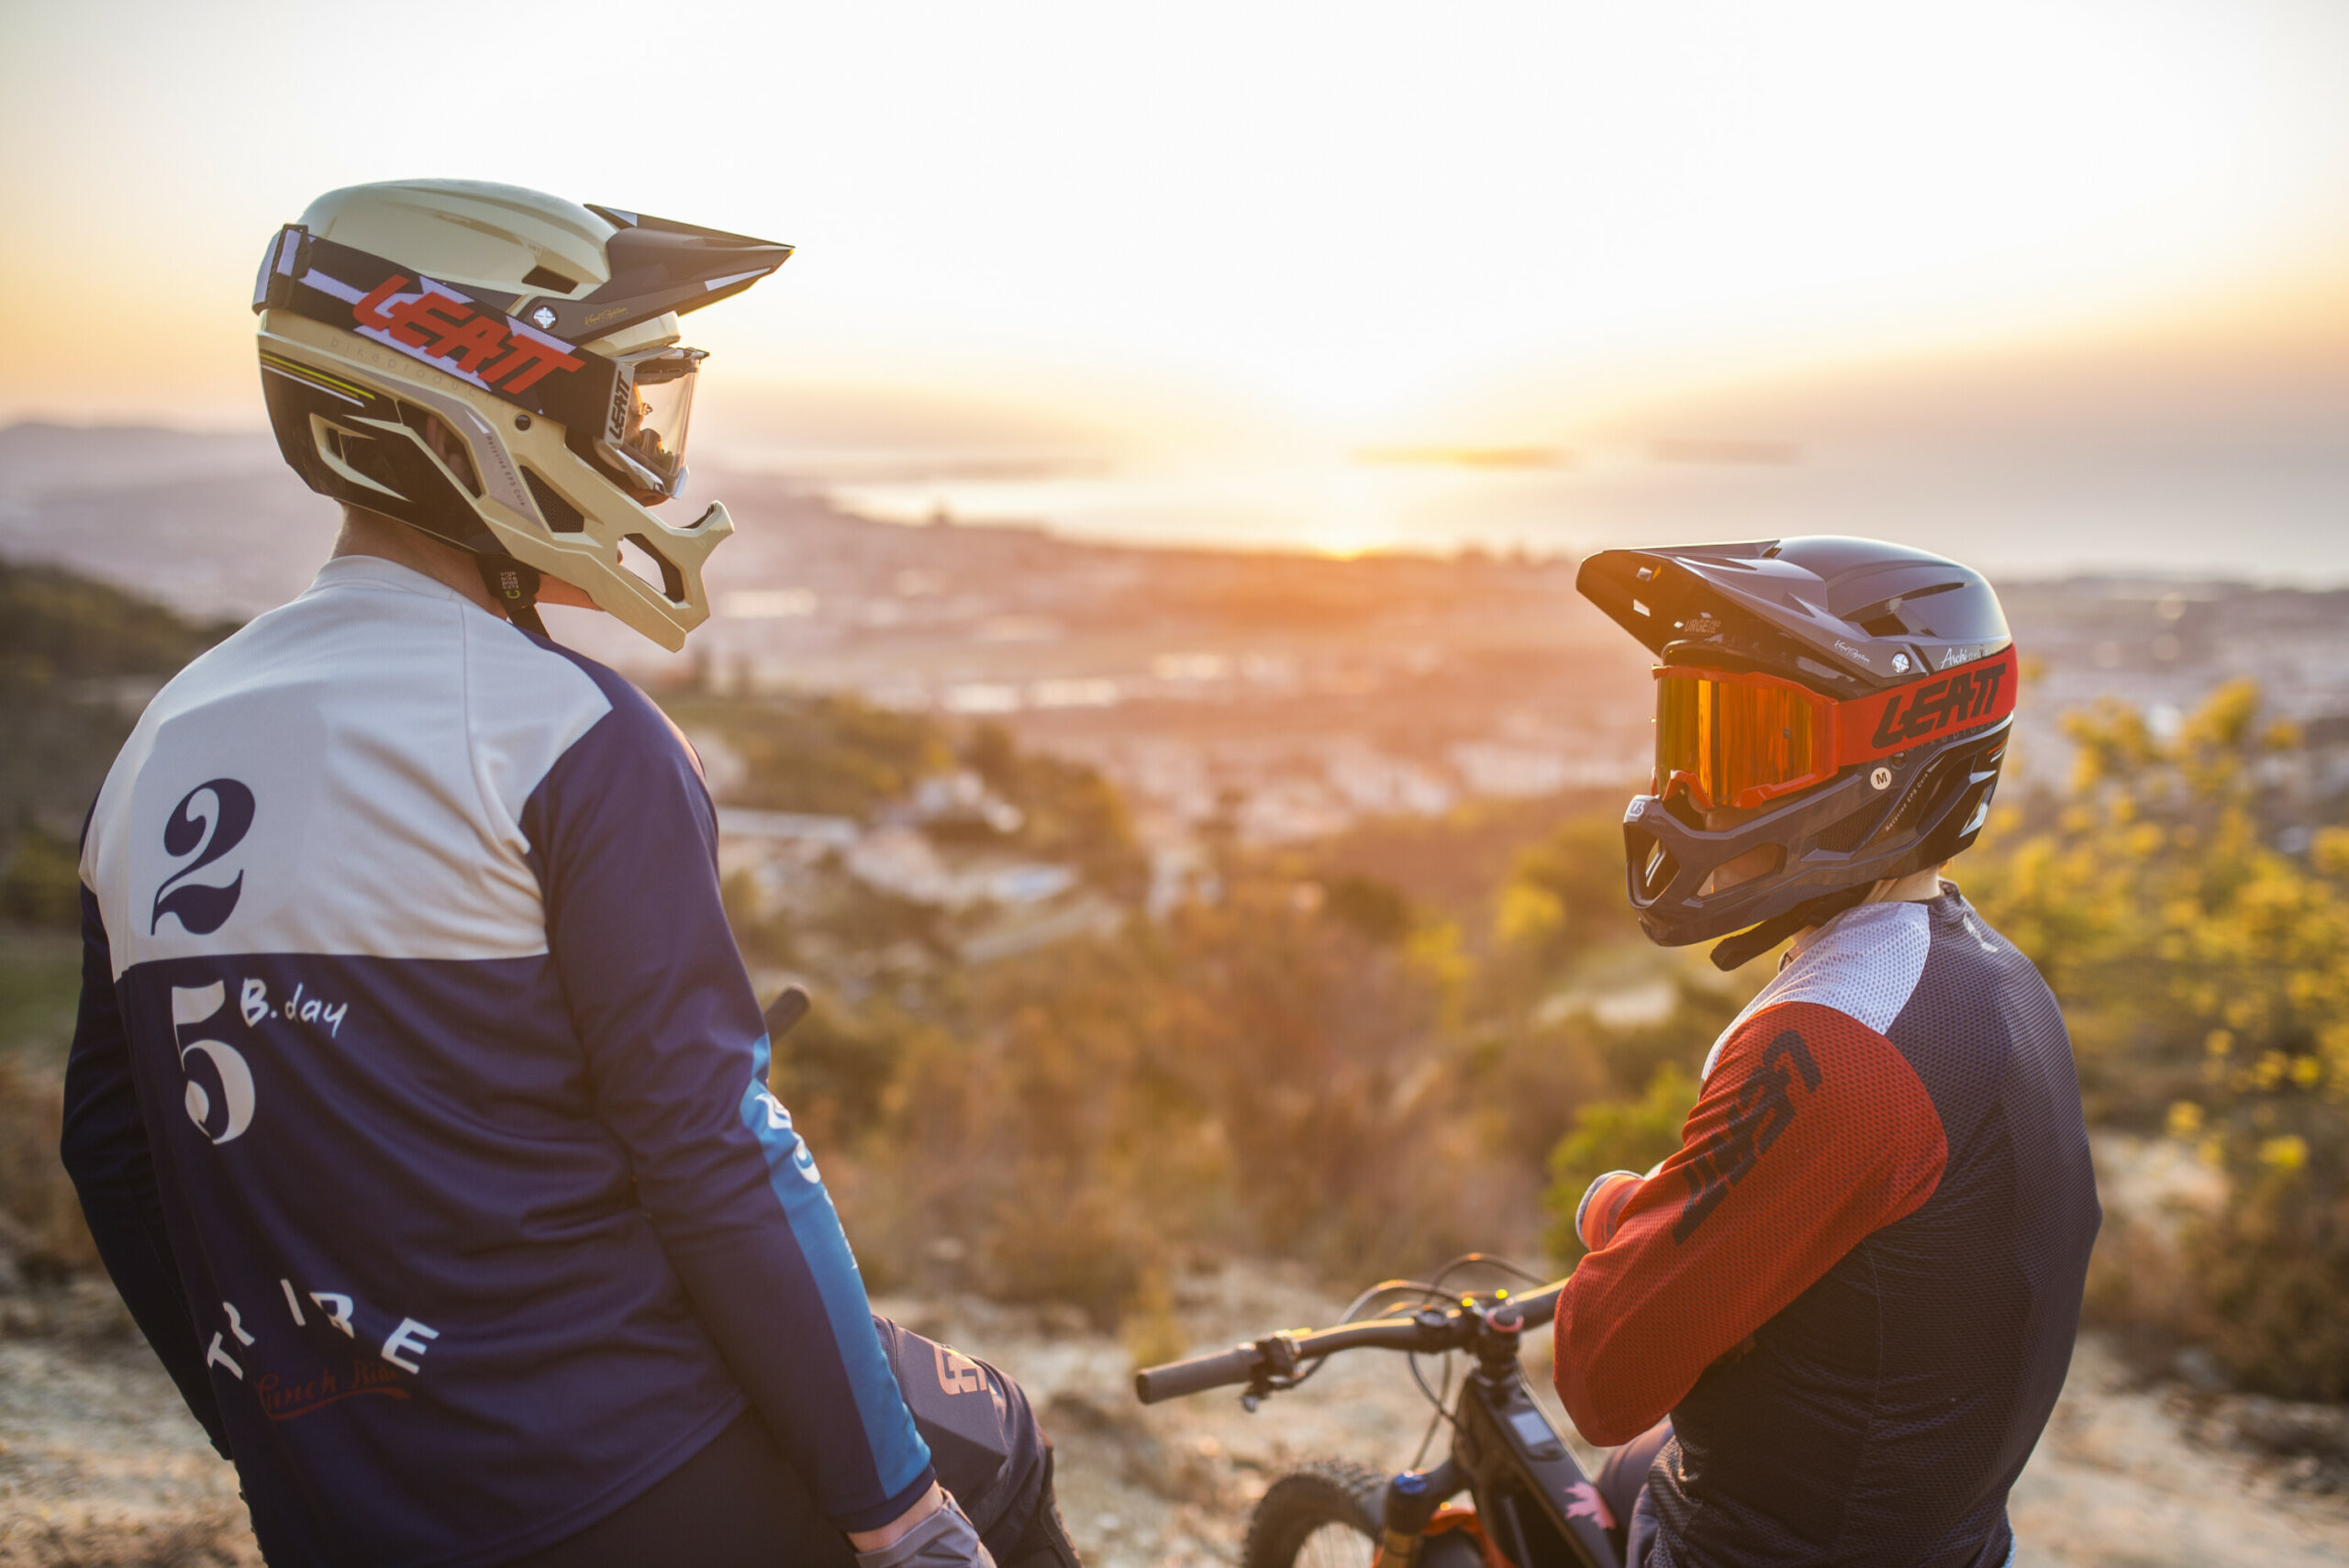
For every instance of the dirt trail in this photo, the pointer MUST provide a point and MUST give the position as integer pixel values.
(98, 1465)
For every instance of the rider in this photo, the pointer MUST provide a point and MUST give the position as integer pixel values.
(418, 1100)
(1836, 1320)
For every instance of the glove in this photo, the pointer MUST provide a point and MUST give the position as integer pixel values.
(945, 1539)
(1602, 1206)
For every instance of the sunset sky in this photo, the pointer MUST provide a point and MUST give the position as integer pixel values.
(1263, 240)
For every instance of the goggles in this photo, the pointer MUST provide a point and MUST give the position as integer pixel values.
(631, 410)
(657, 388)
(1741, 740)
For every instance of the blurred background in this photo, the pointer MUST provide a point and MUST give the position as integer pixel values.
(1148, 705)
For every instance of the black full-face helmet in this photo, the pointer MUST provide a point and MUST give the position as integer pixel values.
(1843, 703)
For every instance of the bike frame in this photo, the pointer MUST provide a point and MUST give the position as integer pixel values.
(1533, 1502)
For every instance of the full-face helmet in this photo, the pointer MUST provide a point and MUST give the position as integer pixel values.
(503, 370)
(1837, 707)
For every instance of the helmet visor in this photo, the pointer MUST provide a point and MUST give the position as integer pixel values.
(658, 399)
(1739, 739)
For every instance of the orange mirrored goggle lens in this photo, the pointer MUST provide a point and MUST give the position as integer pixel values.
(1739, 740)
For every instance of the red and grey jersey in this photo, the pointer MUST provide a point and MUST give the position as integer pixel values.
(1855, 1286)
(418, 1099)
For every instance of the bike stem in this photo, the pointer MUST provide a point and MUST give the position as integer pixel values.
(1500, 1331)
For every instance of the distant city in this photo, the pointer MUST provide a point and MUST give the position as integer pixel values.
(1281, 697)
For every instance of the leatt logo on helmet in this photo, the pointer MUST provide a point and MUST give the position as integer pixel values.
(439, 324)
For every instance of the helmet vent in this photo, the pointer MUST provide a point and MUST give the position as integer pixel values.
(444, 443)
(562, 516)
(549, 280)
(1656, 866)
(1885, 617)
(356, 457)
(639, 556)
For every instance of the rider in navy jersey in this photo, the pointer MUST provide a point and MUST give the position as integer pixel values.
(418, 1100)
(1831, 1328)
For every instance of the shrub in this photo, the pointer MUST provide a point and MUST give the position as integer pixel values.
(42, 885)
(1614, 1135)
(2272, 1272)
(2205, 978)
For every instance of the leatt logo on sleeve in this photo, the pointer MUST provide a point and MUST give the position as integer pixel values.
(1763, 1108)
(435, 323)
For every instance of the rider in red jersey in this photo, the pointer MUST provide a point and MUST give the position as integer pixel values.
(1831, 1328)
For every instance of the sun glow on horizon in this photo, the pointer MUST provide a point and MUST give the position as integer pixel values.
(1080, 235)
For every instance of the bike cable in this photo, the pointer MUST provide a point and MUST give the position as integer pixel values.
(1434, 1398)
(1487, 1260)
(1382, 1289)
(1437, 1397)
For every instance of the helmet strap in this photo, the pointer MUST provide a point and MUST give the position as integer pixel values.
(516, 588)
(1735, 951)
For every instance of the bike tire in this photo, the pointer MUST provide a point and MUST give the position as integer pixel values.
(1322, 1514)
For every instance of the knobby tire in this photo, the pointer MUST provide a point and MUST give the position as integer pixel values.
(1324, 1515)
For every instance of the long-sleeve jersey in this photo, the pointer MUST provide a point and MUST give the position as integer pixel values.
(1855, 1286)
(418, 1099)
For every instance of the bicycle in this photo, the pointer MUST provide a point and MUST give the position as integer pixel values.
(1533, 1505)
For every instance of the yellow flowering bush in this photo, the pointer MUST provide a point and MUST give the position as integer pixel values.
(2205, 973)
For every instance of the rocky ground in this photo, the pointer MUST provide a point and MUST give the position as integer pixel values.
(98, 1465)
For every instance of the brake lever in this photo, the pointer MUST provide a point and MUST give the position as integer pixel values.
(1276, 1374)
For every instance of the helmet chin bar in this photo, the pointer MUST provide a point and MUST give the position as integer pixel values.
(538, 502)
(589, 559)
(1668, 860)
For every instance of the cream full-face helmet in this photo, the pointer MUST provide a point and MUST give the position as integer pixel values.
(503, 370)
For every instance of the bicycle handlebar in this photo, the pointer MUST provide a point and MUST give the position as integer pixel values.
(1541, 1307)
(1428, 1331)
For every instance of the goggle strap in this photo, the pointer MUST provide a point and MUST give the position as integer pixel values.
(1965, 698)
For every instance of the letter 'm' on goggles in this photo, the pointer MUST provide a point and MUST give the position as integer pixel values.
(1738, 738)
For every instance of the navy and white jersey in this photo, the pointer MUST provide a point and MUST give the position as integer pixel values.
(419, 1098)
(1855, 1286)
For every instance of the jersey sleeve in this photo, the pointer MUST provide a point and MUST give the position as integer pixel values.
(1812, 1132)
(106, 1152)
(624, 841)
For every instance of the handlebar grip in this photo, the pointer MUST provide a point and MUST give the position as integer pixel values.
(1174, 1380)
(785, 1011)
